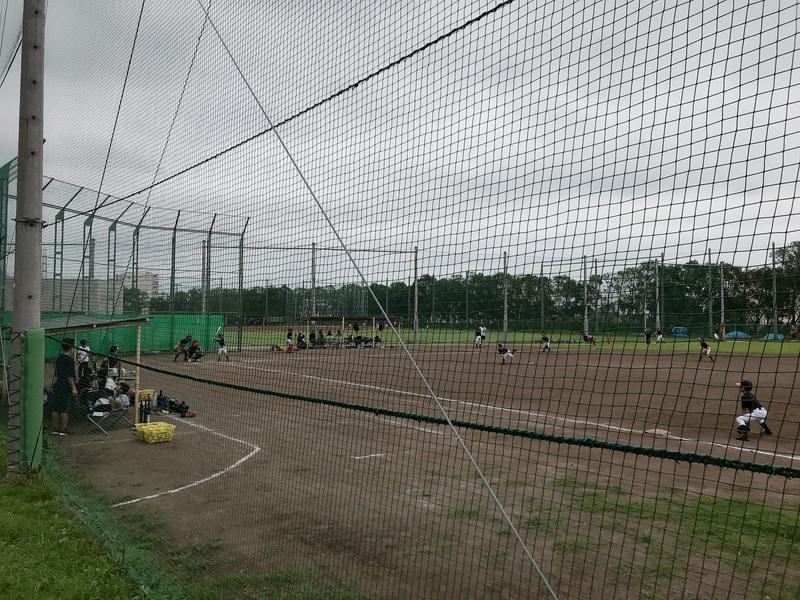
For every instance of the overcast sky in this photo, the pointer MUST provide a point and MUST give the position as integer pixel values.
(548, 130)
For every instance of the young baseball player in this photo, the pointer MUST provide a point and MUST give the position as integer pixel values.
(84, 352)
(705, 349)
(478, 337)
(544, 345)
(222, 350)
(751, 409)
(483, 333)
(505, 353)
(182, 347)
(659, 335)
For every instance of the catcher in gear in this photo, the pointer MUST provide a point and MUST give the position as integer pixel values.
(752, 409)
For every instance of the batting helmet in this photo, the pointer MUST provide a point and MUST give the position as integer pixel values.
(745, 384)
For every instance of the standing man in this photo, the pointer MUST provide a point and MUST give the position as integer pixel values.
(478, 337)
(64, 390)
(751, 409)
(84, 367)
(648, 333)
(483, 333)
(705, 349)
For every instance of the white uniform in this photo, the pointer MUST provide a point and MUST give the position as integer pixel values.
(482, 329)
(83, 354)
(758, 414)
(506, 355)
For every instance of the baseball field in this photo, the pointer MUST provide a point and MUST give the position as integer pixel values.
(359, 501)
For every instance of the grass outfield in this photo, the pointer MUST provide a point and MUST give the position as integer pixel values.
(571, 339)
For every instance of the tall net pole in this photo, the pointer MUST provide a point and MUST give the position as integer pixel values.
(710, 286)
(313, 278)
(416, 295)
(774, 293)
(596, 298)
(541, 297)
(466, 298)
(722, 301)
(658, 301)
(585, 297)
(505, 297)
(28, 227)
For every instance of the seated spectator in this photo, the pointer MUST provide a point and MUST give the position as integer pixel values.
(122, 396)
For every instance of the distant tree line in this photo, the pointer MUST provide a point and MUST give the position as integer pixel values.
(616, 301)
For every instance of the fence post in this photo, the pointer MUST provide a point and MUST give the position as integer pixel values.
(774, 294)
(172, 279)
(111, 265)
(207, 281)
(505, 298)
(314, 278)
(5, 177)
(658, 301)
(585, 298)
(86, 249)
(241, 287)
(541, 295)
(710, 285)
(416, 295)
(28, 227)
(722, 301)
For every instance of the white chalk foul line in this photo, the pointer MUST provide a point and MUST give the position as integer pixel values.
(536, 414)
(255, 450)
(367, 456)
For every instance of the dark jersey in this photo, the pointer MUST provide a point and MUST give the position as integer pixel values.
(503, 350)
(184, 341)
(477, 333)
(704, 345)
(221, 341)
(749, 402)
(65, 369)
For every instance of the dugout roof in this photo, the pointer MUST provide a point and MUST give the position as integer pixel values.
(75, 323)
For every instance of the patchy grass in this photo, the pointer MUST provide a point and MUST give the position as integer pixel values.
(670, 535)
(47, 553)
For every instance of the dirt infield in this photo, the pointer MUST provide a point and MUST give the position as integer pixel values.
(392, 508)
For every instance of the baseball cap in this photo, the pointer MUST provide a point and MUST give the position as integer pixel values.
(68, 342)
(745, 384)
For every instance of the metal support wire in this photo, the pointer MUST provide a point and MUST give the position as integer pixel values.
(424, 379)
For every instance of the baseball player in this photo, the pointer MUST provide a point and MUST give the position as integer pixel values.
(478, 338)
(705, 349)
(222, 350)
(84, 366)
(659, 335)
(751, 409)
(505, 353)
(544, 345)
(483, 333)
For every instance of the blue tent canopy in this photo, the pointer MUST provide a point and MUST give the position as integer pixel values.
(737, 335)
(680, 331)
(772, 337)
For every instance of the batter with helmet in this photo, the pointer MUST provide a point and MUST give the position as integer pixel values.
(752, 409)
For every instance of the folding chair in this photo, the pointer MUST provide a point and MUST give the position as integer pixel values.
(107, 419)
